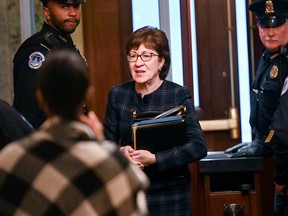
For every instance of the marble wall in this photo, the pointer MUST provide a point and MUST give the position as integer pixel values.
(9, 42)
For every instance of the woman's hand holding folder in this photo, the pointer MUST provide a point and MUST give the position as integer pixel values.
(126, 151)
(144, 157)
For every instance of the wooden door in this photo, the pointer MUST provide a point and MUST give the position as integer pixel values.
(107, 24)
(217, 69)
(218, 83)
(216, 54)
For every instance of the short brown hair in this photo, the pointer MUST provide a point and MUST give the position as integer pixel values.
(152, 38)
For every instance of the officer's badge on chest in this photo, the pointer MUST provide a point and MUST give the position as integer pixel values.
(35, 60)
(274, 71)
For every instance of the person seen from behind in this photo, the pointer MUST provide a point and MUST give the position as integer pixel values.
(66, 167)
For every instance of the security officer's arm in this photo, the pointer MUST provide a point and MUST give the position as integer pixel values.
(26, 64)
(256, 148)
(280, 118)
(278, 133)
(279, 125)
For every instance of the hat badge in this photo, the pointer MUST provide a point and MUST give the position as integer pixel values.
(269, 7)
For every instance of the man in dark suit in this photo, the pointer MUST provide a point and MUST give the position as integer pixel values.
(13, 125)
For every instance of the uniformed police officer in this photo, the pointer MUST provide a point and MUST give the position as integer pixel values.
(61, 19)
(269, 98)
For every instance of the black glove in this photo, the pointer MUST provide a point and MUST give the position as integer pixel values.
(256, 148)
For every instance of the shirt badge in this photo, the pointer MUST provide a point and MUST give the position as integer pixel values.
(285, 86)
(35, 60)
(274, 72)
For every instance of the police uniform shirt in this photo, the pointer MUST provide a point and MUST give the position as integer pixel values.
(266, 91)
(28, 59)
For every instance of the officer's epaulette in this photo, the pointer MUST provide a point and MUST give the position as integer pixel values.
(34, 40)
(51, 40)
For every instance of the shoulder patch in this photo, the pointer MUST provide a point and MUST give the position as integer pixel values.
(285, 86)
(35, 60)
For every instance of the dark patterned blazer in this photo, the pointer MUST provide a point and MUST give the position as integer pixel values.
(123, 100)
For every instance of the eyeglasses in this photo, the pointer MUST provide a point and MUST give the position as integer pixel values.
(144, 56)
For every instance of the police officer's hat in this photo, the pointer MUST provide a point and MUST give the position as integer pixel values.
(65, 1)
(270, 13)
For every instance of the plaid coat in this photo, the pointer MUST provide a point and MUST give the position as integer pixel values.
(62, 170)
(168, 196)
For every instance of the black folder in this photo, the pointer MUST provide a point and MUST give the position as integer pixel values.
(159, 134)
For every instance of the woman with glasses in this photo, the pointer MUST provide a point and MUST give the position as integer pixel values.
(148, 56)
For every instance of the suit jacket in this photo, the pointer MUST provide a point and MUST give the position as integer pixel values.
(13, 125)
